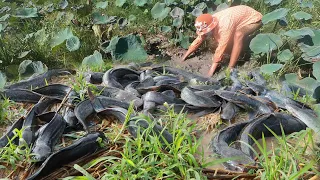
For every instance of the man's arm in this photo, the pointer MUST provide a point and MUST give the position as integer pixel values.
(194, 46)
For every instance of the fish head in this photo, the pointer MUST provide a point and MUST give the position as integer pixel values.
(41, 152)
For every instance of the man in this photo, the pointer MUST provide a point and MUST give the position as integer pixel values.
(230, 28)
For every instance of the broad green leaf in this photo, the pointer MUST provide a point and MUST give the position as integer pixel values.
(60, 37)
(63, 4)
(264, 43)
(73, 43)
(186, 2)
(41, 37)
(99, 18)
(291, 77)
(316, 70)
(305, 3)
(169, 2)
(102, 4)
(132, 18)
(160, 11)
(165, 29)
(221, 7)
(28, 68)
(196, 12)
(26, 12)
(24, 54)
(140, 2)
(185, 43)
(127, 48)
(299, 33)
(3, 80)
(201, 6)
(94, 60)
(272, 2)
(177, 22)
(120, 3)
(312, 53)
(275, 15)
(302, 15)
(177, 12)
(5, 17)
(285, 55)
(270, 68)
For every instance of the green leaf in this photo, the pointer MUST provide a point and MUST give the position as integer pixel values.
(201, 6)
(165, 29)
(264, 43)
(5, 17)
(63, 4)
(73, 43)
(83, 171)
(186, 2)
(3, 80)
(270, 68)
(28, 68)
(169, 2)
(60, 37)
(132, 18)
(311, 53)
(285, 55)
(177, 22)
(40, 36)
(127, 48)
(160, 11)
(102, 4)
(185, 43)
(272, 2)
(140, 3)
(26, 12)
(275, 15)
(99, 18)
(291, 77)
(120, 3)
(302, 15)
(196, 12)
(316, 70)
(177, 13)
(24, 54)
(94, 60)
(299, 33)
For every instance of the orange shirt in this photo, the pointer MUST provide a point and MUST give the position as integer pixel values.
(229, 21)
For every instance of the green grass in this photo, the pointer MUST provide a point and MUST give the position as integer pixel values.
(284, 160)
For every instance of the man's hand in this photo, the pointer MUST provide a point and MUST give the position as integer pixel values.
(213, 68)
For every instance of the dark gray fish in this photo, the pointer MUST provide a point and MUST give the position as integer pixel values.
(30, 123)
(175, 87)
(48, 137)
(119, 113)
(40, 80)
(220, 145)
(258, 89)
(204, 87)
(94, 77)
(245, 101)
(274, 121)
(70, 117)
(308, 116)
(58, 91)
(285, 89)
(160, 98)
(229, 111)
(280, 100)
(147, 82)
(131, 88)
(258, 78)
(144, 75)
(9, 133)
(137, 66)
(99, 103)
(196, 100)
(165, 77)
(236, 84)
(135, 124)
(113, 77)
(187, 75)
(21, 95)
(85, 146)
(181, 108)
(82, 111)
(169, 93)
(120, 94)
(167, 81)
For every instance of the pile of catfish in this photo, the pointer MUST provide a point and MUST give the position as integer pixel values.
(148, 89)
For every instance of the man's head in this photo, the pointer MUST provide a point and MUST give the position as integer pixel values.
(205, 23)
